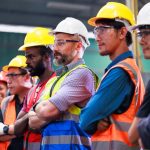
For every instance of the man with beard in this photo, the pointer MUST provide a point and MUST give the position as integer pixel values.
(69, 93)
(39, 63)
(19, 83)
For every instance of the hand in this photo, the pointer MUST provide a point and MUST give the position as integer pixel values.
(103, 124)
(1, 128)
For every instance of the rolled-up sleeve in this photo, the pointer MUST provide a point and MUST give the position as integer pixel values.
(77, 87)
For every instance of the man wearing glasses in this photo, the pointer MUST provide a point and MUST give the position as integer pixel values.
(69, 93)
(121, 90)
(19, 83)
(142, 29)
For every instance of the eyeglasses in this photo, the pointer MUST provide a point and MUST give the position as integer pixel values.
(101, 29)
(13, 75)
(141, 34)
(63, 42)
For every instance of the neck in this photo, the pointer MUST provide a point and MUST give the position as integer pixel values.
(46, 75)
(22, 94)
(120, 50)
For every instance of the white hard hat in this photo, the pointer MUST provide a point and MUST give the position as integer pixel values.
(72, 26)
(143, 17)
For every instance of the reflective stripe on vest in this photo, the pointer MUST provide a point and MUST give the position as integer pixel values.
(116, 136)
(65, 139)
(9, 116)
(66, 130)
(113, 145)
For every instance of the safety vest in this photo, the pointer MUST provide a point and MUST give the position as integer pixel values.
(32, 140)
(9, 116)
(116, 136)
(65, 133)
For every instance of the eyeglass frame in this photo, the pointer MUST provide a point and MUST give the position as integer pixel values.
(101, 29)
(144, 33)
(62, 42)
(12, 75)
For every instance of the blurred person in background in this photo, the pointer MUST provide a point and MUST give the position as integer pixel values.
(140, 129)
(3, 85)
(19, 83)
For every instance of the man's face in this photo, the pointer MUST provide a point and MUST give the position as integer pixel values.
(65, 49)
(16, 81)
(35, 62)
(145, 42)
(107, 39)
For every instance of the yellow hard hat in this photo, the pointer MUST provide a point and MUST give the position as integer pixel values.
(38, 37)
(19, 61)
(113, 10)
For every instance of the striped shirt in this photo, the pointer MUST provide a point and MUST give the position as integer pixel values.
(77, 88)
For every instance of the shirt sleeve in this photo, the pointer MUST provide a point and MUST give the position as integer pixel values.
(113, 91)
(77, 87)
(144, 109)
(144, 131)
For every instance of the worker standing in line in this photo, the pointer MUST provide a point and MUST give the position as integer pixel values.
(121, 90)
(39, 63)
(19, 83)
(142, 29)
(3, 85)
(69, 93)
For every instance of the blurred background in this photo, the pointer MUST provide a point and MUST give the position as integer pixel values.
(19, 16)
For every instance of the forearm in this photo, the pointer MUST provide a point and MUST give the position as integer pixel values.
(36, 123)
(6, 137)
(20, 125)
(133, 132)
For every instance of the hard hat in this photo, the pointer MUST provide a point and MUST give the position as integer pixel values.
(113, 10)
(38, 37)
(143, 17)
(73, 26)
(19, 61)
(3, 76)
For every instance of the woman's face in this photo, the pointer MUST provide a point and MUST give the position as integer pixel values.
(3, 90)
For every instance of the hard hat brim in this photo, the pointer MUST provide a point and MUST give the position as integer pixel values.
(92, 21)
(23, 47)
(5, 68)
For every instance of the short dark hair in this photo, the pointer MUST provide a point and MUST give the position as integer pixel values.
(117, 25)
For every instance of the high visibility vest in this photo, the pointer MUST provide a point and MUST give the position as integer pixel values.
(116, 136)
(9, 116)
(65, 133)
(32, 140)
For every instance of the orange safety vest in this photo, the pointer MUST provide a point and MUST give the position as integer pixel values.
(9, 116)
(116, 136)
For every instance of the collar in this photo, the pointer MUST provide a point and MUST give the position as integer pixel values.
(69, 67)
(121, 57)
